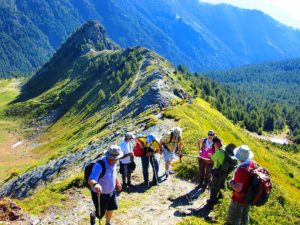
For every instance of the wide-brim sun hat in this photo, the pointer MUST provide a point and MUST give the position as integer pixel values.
(150, 137)
(243, 153)
(177, 131)
(114, 152)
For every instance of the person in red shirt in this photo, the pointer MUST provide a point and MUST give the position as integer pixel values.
(238, 213)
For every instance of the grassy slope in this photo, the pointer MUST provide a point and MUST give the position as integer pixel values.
(197, 118)
(12, 161)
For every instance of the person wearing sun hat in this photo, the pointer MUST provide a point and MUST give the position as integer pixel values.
(105, 185)
(238, 212)
(170, 143)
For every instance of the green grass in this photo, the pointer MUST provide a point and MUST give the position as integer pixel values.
(53, 194)
(197, 118)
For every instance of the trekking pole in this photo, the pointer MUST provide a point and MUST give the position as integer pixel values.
(99, 208)
(191, 156)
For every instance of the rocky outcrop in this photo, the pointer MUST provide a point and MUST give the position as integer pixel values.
(10, 211)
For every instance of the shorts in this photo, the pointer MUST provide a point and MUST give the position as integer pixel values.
(168, 156)
(107, 202)
(127, 168)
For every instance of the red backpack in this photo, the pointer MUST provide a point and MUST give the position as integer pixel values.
(260, 186)
(138, 149)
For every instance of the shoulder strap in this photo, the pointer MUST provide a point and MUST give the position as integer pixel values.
(102, 164)
(204, 142)
(171, 137)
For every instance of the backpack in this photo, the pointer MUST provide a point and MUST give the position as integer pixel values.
(88, 170)
(260, 187)
(138, 149)
(229, 163)
(171, 137)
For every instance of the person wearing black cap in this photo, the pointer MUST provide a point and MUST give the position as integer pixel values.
(218, 176)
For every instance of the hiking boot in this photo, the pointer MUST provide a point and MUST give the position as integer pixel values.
(205, 184)
(167, 174)
(147, 184)
(92, 219)
(153, 183)
(171, 172)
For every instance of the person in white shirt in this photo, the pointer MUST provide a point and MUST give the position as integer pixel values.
(127, 164)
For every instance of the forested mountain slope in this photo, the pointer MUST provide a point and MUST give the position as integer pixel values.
(185, 32)
(271, 90)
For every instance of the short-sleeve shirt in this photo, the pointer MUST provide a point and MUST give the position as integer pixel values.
(243, 176)
(108, 181)
(126, 148)
(171, 145)
(218, 157)
(153, 145)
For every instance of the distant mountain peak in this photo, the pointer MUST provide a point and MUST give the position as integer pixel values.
(90, 36)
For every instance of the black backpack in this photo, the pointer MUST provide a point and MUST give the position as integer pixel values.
(229, 163)
(88, 170)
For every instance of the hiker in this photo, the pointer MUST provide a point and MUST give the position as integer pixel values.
(205, 148)
(160, 104)
(127, 164)
(103, 187)
(238, 209)
(218, 175)
(151, 147)
(169, 143)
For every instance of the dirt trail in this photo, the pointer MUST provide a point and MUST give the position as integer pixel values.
(164, 204)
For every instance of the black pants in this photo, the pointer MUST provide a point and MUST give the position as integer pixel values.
(217, 183)
(145, 165)
(107, 202)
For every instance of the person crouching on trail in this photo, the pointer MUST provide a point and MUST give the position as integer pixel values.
(238, 209)
(151, 147)
(106, 185)
(205, 148)
(218, 175)
(127, 164)
(171, 142)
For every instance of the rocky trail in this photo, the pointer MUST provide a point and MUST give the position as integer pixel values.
(164, 204)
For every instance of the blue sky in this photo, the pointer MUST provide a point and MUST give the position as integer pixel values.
(285, 11)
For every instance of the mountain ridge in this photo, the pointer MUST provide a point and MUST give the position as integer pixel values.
(185, 32)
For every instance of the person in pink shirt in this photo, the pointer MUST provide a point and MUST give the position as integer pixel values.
(206, 150)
